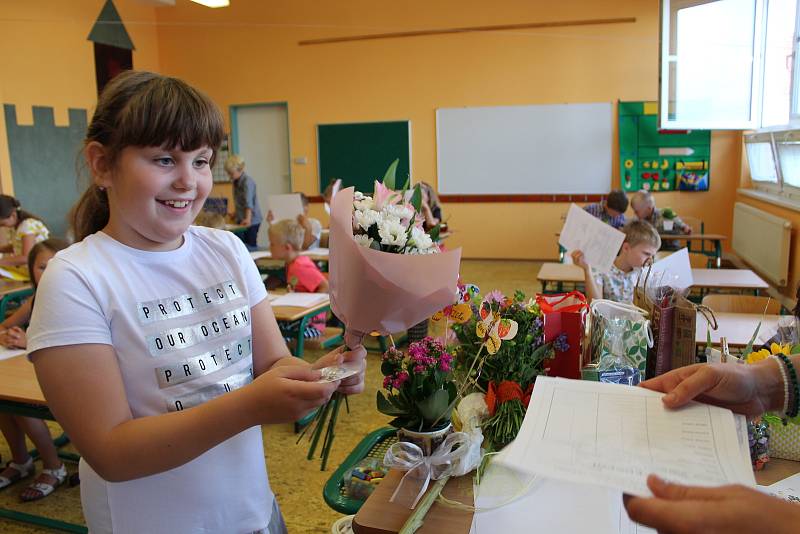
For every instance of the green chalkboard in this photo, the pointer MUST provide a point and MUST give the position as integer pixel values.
(360, 153)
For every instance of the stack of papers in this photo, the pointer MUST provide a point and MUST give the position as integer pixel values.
(300, 300)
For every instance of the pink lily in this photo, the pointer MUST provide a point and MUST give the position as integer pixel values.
(383, 196)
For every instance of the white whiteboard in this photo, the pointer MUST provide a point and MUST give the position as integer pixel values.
(551, 149)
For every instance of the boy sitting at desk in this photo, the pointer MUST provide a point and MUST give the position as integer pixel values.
(312, 226)
(611, 210)
(285, 243)
(641, 243)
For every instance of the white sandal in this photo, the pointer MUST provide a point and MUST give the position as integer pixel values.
(45, 489)
(23, 470)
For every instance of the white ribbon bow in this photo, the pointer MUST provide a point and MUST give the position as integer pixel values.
(442, 463)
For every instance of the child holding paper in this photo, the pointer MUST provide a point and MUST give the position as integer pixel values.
(641, 243)
(285, 243)
(311, 225)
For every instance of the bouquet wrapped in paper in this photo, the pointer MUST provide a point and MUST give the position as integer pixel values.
(378, 290)
(386, 274)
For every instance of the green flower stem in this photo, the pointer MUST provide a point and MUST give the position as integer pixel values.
(320, 425)
(416, 519)
(326, 449)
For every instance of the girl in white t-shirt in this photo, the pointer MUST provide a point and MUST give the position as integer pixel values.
(153, 340)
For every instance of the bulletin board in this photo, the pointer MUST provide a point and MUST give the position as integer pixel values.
(359, 153)
(660, 160)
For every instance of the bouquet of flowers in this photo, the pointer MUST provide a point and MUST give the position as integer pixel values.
(500, 353)
(386, 274)
(420, 385)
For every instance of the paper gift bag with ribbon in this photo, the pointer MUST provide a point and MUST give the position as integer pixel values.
(673, 319)
(564, 313)
(637, 336)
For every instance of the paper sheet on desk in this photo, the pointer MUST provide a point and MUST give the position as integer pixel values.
(675, 270)
(574, 431)
(598, 241)
(285, 206)
(301, 300)
(551, 502)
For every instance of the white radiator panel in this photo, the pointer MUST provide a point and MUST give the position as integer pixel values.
(763, 241)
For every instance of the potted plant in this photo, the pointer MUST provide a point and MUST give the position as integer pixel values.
(420, 392)
(669, 219)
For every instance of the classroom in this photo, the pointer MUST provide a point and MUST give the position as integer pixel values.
(412, 213)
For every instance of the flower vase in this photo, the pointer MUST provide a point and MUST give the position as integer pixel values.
(758, 437)
(669, 225)
(429, 440)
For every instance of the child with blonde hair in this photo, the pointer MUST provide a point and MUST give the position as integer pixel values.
(641, 244)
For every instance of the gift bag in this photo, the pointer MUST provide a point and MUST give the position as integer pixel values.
(674, 322)
(564, 314)
(784, 441)
(637, 336)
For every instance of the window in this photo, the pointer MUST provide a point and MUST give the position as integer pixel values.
(761, 158)
(727, 64)
(788, 144)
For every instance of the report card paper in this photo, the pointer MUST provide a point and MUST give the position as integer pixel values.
(615, 436)
(598, 241)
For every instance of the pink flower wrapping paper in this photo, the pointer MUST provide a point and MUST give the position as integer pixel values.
(378, 291)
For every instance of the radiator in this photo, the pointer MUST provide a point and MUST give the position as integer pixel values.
(762, 240)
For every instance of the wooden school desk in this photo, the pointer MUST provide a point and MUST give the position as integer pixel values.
(291, 314)
(728, 279)
(738, 279)
(20, 395)
(237, 229)
(715, 239)
(738, 328)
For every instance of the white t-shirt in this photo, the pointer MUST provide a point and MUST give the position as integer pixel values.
(179, 322)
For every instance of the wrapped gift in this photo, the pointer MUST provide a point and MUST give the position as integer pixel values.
(565, 318)
(784, 441)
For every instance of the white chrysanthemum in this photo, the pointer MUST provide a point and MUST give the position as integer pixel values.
(364, 204)
(358, 195)
(420, 239)
(365, 219)
(392, 233)
(398, 211)
(363, 240)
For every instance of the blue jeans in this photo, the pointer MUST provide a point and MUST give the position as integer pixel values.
(250, 235)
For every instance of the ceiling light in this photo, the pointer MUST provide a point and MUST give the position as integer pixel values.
(213, 3)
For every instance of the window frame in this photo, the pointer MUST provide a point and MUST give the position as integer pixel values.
(775, 136)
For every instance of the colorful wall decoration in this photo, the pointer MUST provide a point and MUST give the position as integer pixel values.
(660, 160)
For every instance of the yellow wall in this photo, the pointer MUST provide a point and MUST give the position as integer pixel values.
(249, 53)
(47, 61)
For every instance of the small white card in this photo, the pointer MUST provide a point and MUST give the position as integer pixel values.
(334, 373)
(599, 242)
(284, 206)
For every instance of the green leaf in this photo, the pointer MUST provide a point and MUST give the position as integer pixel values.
(406, 185)
(749, 348)
(433, 407)
(416, 198)
(387, 408)
(435, 231)
(389, 177)
(795, 350)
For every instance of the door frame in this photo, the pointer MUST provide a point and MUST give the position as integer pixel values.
(233, 108)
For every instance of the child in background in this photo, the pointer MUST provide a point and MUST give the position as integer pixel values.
(15, 427)
(641, 243)
(210, 219)
(431, 207)
(27, 230)
(285, 242)
(644, 205)
(312, 226)
(154, 341)
(611, 210)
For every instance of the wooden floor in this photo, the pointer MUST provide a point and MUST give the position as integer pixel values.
(297, 482)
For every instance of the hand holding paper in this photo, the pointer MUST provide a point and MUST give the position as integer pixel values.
(598, 241)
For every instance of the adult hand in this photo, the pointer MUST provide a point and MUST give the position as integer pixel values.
(677, 509)
(286, 393)
(579, 259)
(745, 389)
(247, 222)
(687, 230)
